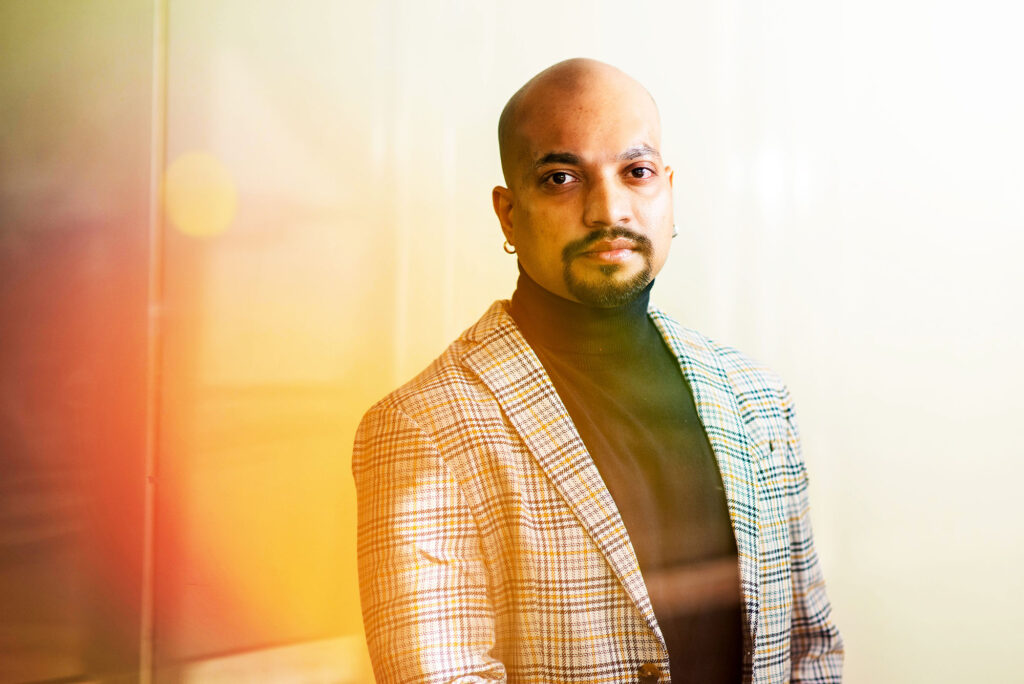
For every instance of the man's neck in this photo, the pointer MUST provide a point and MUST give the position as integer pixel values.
(563, 325)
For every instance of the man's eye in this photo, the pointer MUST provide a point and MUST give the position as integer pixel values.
(641, 172)
(560, 178)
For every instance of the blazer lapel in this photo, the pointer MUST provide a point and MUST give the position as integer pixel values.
(719, 411)
(510, 369)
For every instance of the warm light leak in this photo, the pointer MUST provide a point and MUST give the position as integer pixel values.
(200, 194)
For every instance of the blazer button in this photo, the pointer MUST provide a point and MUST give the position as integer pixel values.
(649, 674)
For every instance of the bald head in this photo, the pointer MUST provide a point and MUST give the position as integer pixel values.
(588, 207)
(570, 89)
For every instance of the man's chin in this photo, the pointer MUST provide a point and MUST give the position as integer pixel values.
(610, 286)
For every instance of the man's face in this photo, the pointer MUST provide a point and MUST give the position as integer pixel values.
(589, 208)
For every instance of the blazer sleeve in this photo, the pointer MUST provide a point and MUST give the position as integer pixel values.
(816, 646)
(422, 576)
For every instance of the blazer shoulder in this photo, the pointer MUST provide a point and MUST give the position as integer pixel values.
(447, 381)
(748, 377)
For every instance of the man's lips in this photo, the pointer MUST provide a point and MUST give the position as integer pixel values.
(617, 249)
(608, 246)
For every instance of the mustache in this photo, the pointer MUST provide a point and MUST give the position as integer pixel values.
(577, 247)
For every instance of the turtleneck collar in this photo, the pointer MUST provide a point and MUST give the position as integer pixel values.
(565, 326)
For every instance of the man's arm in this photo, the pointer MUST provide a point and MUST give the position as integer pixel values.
(422, 577)
(816, 649)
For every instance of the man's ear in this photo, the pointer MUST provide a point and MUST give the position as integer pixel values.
(502, 199)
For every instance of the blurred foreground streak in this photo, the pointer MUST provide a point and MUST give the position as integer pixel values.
(249, 566)
(74, 176)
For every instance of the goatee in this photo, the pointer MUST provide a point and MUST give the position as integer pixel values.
(607, 292)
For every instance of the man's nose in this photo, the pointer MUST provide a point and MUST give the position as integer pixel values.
(606, 204)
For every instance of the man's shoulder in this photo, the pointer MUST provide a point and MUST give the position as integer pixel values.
(745, 374)
(449, 379)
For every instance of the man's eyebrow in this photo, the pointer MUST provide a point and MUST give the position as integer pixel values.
(635, 152)
(557, 158)
(639, 151)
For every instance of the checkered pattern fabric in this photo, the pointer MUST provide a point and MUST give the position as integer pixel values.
(490, 549)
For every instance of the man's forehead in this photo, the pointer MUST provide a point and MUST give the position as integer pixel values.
(603, 133)
(607, 127)
(581, 108)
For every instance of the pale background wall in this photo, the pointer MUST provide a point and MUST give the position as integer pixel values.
(848, 193)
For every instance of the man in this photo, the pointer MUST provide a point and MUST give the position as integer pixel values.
(579, 489)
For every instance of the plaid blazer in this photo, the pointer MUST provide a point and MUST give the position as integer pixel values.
(490, 548)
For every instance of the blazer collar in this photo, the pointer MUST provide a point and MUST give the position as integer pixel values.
(719, 411)
(511, 370)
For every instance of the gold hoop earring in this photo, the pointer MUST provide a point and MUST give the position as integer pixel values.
(509, 249)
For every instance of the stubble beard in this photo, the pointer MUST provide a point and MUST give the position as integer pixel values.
(607, 291)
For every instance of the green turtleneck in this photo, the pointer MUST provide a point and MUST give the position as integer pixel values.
(634, 411)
